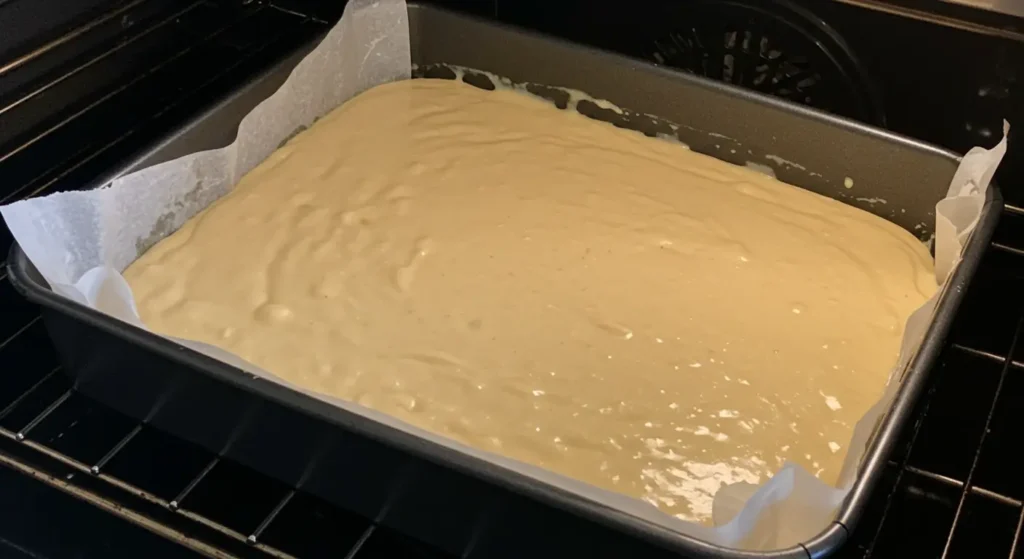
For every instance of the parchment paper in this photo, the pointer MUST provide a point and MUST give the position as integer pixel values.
(80, 241)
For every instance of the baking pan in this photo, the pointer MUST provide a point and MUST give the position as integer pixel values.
(376, 470)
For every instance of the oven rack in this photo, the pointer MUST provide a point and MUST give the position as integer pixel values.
(52, 433)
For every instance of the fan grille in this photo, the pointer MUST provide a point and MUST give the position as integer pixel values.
(773, 48)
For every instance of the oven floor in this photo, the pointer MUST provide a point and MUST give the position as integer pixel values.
(81, 480)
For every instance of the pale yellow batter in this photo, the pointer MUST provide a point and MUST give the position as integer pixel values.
(538, 284)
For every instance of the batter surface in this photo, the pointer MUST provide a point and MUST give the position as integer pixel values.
(545, 286)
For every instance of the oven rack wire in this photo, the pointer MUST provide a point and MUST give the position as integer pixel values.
(290, 523)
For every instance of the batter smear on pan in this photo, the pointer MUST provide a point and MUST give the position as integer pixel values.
(545, 286)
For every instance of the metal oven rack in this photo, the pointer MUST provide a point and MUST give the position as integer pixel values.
(951, 489)
(176, 490)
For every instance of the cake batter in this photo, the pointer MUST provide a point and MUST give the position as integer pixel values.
(545, 286)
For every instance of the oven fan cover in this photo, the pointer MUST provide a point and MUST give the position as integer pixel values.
(773, 47)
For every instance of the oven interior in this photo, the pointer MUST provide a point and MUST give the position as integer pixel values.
(86, 85)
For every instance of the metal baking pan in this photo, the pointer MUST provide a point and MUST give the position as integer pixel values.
(358, 463)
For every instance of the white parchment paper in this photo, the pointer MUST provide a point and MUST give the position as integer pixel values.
(80, 241)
